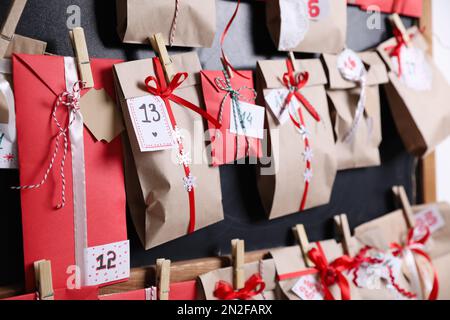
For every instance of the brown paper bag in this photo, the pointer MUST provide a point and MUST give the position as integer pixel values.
(422, 117)
(193, 26)
(265, 268)
(360, 148)
(303, 26)
(283, 173)
(157, 198)
(289, 261)
(392, 228)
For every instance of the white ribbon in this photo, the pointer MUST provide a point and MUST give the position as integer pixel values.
(414, 277)
(356, 73)
(7, 130)
(78, 172)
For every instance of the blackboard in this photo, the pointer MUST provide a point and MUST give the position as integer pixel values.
(363, 194)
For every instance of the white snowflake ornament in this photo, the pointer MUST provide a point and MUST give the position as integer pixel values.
(308, 154)
(184, 158)
(189, 182)
(308, 175)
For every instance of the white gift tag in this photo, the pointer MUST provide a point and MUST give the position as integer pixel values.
(151, 123)
(350, 65)
(430, 218)
(8, 152)
(107, 263)
(308, 288)
(253, 118)
(318, 9)
(275, 99)
(416, 72)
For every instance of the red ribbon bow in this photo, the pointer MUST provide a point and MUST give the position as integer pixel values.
(395, 51)
(331, 273)
(165, 91)
(416, 245)
(254, 286)
(295, 84)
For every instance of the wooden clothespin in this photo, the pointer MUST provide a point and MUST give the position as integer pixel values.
(238, 258)
(9, 27)
(400, 193)
(44, 283)
(159, 46)
(397, 23)
(292, 58)
(163, 278)
(82, 55)
(344, 228)
(302, 238)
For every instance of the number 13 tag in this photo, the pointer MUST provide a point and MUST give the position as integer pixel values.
(151, 123)
(107, 263)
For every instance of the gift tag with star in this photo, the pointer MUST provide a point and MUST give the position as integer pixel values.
(101, 115)
(151, 123)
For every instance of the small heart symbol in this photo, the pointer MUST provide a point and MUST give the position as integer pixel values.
(155, 134)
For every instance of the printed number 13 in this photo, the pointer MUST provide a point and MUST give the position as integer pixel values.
(153, 110)
(314, 8)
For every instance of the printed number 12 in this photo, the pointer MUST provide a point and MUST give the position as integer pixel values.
(109, 262)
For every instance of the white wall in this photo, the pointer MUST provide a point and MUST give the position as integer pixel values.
(441, 52)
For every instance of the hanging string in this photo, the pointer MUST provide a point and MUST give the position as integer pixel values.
(174, 23)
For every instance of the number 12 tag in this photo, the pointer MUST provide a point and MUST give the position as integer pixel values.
(151, 123)
(107, 263)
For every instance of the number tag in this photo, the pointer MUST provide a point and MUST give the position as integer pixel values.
(275, 99)
(151, 123)
(252, 117)
(318, 9)
(308, 288)
(107, 263)
(430, 218)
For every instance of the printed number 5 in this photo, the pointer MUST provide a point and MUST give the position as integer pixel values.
(109, 262)
(152, 108)
(314, 8)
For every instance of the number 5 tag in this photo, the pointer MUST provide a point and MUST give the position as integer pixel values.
(151, 123)
(107, 263)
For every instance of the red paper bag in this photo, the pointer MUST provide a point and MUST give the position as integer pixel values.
(178, 291)
(226, 146)
(412, 8)
(86, 293)
(48, 232)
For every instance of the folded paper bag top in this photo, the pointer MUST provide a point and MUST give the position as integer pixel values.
(263, 269)
(48, 233)
(358, 138)
(307, 26)
(291, 267)
(283, 178)
(161, 207)
(182, 23)
(419, 97)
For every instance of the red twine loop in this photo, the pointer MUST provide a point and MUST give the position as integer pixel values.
(254, 286)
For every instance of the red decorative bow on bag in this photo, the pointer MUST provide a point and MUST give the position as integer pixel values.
(416, 246)
(254, 286)
(294, 85)
(165, 91)
(331, 273)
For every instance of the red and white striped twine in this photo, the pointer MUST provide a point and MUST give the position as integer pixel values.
(174, 23)
(72, 101)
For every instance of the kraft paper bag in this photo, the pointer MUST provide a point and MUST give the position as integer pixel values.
(307, 26)
(8, 144)
(264, 268)
(160, 204)
(294, 175)
(392, 228)
(290, 265)
(192, 25)
(358, 136)
(419, 98)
